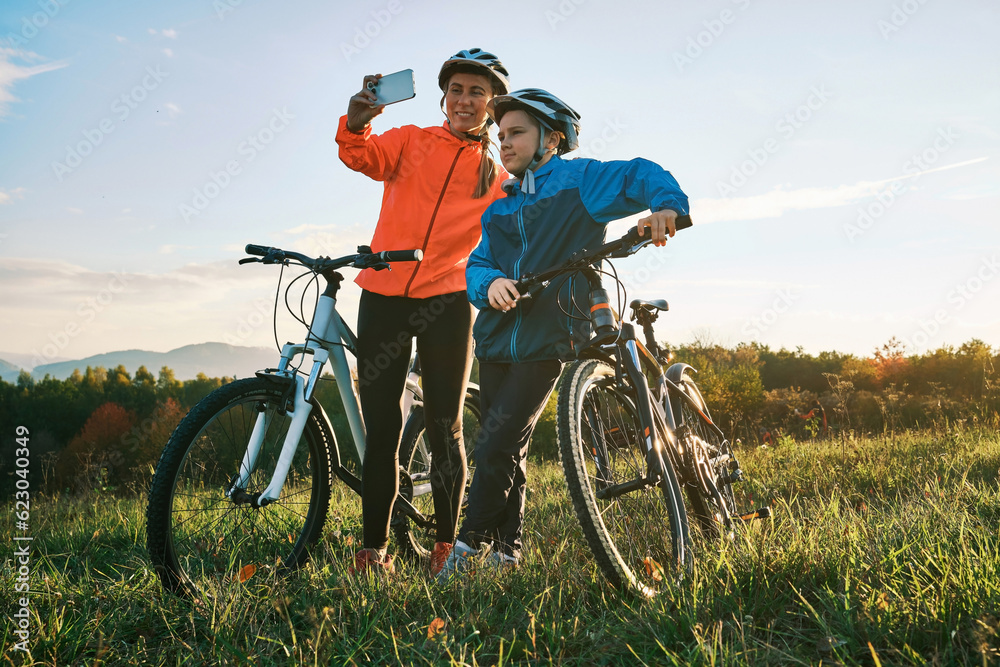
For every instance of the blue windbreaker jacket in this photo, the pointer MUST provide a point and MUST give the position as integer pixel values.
(574, 201)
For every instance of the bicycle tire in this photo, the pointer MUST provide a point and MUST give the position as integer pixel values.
(709, 458)
(414, 541)
(200, 541)
(639, 538)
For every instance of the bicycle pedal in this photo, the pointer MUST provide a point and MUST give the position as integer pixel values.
(761, 513)
(733, 477)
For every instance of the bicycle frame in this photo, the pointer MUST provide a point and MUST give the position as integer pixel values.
(328, 338)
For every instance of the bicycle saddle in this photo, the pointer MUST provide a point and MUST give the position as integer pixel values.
(656, 304)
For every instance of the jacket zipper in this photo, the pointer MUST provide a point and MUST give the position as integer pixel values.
(517, 273)
(427, 238)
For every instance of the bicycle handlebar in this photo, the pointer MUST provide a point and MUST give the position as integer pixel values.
(364, 259)
(628, 244)
(260, 250)
(401, 255)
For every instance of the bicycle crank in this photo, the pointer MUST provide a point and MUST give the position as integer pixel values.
(761, 513)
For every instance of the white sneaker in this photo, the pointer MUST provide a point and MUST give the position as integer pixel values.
(461, 561)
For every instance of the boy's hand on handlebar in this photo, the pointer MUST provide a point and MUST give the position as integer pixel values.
(362, 108)
(661, 224)
(503, 294)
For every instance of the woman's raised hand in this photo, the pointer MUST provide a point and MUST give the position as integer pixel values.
(362, 107)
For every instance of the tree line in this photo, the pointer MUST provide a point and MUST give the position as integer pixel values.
(102, 427)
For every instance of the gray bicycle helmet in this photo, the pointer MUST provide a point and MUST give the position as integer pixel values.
(478, 61)
(545, 107)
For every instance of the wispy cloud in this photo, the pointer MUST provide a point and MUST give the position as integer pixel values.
(11, 72)
(779, 201)
(8, 197)
(173, 110)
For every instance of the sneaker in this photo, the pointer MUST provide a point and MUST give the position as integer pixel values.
(369, 561)
(500, 562)
(439, 556)
(461, 561)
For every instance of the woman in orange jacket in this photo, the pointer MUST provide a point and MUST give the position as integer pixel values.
(438, 181)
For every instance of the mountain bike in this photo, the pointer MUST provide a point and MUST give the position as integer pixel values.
(242, 487)
(636, 437)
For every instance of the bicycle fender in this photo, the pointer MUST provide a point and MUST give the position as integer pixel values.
(676, 372)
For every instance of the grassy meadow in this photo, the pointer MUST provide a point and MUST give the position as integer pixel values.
(881, 551)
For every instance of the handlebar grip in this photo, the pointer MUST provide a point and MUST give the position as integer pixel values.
(261, 250)
(401, 255)
(682, 222)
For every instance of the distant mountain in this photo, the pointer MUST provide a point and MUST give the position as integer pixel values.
(27, 361)
(212, 359)
(9, 371)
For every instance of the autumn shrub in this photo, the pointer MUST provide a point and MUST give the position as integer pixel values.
(93, 459)
(139, 449)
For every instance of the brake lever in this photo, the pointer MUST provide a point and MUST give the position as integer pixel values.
(370, 261)
(249, 260)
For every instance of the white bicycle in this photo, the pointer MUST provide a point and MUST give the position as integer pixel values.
(242, 487)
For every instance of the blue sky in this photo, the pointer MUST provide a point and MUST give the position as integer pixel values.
(842, 159)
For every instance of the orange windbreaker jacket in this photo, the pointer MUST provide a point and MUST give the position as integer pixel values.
(430, 176)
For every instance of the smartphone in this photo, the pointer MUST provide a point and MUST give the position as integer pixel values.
(394, 87)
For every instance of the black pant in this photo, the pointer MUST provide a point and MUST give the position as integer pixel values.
(512, 396)
(442, 326)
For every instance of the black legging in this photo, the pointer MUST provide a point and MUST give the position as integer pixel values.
(442, 326)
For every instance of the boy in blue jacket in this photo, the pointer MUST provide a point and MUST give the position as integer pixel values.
(552, 209)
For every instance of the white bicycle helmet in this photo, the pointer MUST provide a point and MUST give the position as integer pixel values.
(546, 108)
(478, 61)
(551, 112)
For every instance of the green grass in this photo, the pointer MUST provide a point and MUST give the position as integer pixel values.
(881, 551)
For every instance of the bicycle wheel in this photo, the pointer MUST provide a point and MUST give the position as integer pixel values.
(415, 457)
(200, 540)
(711, 458)
(638, 537)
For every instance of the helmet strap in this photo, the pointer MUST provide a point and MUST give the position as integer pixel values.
(528, 180)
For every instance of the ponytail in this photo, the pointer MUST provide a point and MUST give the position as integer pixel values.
(488, 172)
